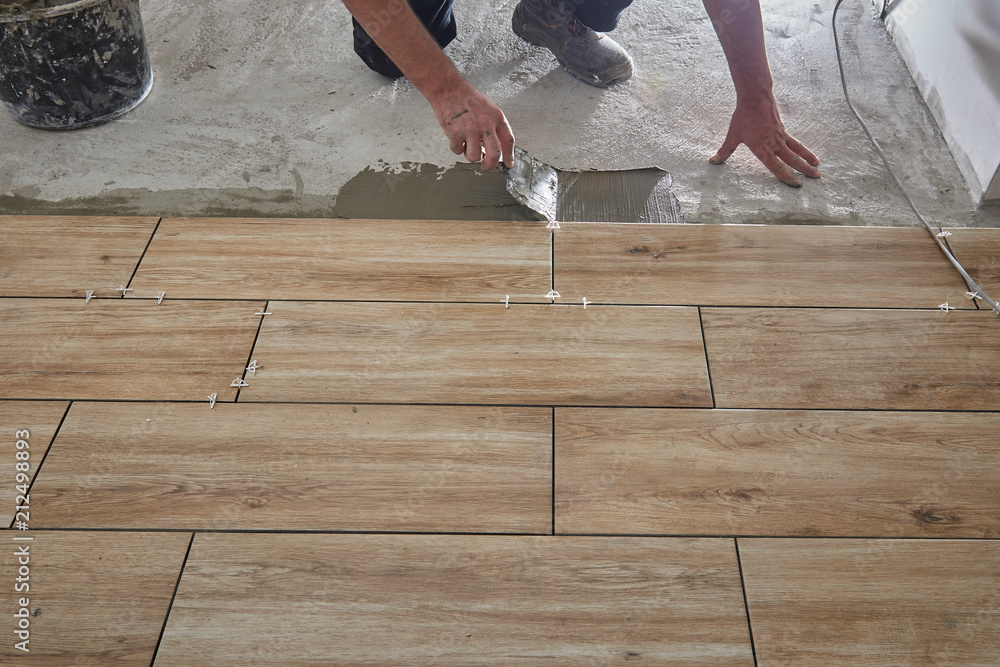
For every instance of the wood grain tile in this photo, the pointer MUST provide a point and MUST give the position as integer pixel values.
(299, 467)
(115, 349)
(873, 602)
(361, 260)
(94, 598)
(40, 419)
(456, 600)
(58, 256)
(853, 359)
(762, 472)
(454, 353)
(979, 252)
(755, 265)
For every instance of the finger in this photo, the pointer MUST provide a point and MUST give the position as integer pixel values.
(457, 145)
(796, 162)
(506, 139)
(474, 150)
(779, 168)
(729, 147)
(797, 146)
(493, 152)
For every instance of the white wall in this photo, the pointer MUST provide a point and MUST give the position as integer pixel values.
(952, 48)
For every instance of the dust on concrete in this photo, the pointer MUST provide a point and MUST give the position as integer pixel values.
(234, 75)
(237, 203)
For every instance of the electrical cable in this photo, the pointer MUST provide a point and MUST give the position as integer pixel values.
(973, 287)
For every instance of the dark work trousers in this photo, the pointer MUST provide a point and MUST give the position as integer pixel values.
(437, 16)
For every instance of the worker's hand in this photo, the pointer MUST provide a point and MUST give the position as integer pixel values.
(757, 124)
(474, 125)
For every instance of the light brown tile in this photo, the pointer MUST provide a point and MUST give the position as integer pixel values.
(978, 250)
(755, 265)
(873, 602)
(853, 359)
(60, 256)
(763, 472)
(299, 467)
(93, 598)
(456, 600)
(115, 349)
(34, 423)
(357, 260)
(470, 353)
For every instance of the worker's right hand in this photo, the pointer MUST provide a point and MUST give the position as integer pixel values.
(474, 125)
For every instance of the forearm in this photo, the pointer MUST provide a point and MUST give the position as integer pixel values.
(397, 30)
(740, 29)
(473, 124)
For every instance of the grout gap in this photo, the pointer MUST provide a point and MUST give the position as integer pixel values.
(746, 605)
(708, 366)
(180, 575)
(143, 255)
(243, 376)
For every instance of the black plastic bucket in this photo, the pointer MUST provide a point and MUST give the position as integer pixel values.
(73, 65)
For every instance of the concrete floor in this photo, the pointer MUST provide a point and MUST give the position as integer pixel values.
(261, 108)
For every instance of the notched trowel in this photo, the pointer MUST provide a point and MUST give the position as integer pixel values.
(632, 195)
(533, 184)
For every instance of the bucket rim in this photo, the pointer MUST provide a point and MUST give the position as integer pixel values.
(51, 12)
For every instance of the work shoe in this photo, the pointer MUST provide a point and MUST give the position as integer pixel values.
(590, 56)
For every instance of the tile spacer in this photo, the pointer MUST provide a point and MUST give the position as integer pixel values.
(90, 295)
(211, 398)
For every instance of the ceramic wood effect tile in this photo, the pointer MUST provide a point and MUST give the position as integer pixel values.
(763, 472)
(64, 256)
(873, 602)
(853, 359)
(979, 252)
(299, 467)
(359, 260)
(749, 265)
(456, 600)
(93, 598)
(115, 349)
(455, 353)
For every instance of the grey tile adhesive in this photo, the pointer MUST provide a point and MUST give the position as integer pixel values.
(530, 190)
(632, 195)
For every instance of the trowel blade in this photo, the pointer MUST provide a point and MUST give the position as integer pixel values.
(533, 184)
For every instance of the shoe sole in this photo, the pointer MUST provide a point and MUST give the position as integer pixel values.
(525, 32)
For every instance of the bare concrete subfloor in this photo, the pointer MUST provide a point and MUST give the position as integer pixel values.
(261, 108)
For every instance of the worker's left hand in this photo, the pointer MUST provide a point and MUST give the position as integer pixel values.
(757, 124)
